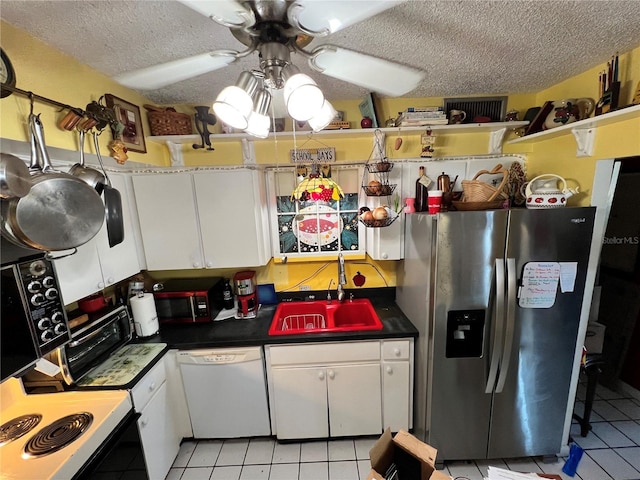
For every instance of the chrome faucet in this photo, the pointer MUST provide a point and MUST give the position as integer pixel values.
(342, 278)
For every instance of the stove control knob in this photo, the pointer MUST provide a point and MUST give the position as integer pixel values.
(57, 317)
(34, 286)
(44, 323)
(51, 294)
(38, 299)
(47, 335)
(60, 328)
(49, 282)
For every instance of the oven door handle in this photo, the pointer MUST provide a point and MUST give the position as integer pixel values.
(89, 336)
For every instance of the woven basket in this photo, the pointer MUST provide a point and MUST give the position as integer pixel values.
(168, 122)
(477, 191)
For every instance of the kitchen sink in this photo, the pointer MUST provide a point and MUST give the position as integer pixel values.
(323, 316)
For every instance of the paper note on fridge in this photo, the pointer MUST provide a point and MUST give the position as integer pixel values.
(539, 284)
(568, 272)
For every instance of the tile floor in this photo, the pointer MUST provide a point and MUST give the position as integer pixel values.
(612, 452)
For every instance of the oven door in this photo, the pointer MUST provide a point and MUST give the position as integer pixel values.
(93, 344)
(119, 456)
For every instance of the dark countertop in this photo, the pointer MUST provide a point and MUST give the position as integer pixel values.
(254, 332)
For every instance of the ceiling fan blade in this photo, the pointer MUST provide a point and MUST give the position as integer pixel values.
(323, 18)
(159, 76)
(378, 75)
(229, 13)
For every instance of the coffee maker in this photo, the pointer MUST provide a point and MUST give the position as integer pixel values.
(247, 294)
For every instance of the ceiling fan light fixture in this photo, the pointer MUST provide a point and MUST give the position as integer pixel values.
(259, 121)
(303, 97)
(323, 118)
(234, 103)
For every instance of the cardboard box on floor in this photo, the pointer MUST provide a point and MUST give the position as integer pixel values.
(415, 459)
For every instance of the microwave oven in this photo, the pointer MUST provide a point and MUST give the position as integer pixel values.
(189, 300)
(33, 320)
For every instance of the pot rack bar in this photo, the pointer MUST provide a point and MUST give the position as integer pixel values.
(39, 98)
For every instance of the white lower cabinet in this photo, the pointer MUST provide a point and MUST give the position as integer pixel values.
(339, 389)
(158, 424)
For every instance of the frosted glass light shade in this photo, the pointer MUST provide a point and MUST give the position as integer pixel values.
(302, 96)
(323, 118)
(233, 106)
(259, 120)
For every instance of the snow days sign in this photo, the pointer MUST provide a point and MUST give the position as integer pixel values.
(312, 155)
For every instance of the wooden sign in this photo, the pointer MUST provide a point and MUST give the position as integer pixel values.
(311, 155)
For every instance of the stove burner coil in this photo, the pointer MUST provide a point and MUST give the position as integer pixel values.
(17, 427)
(57, 435)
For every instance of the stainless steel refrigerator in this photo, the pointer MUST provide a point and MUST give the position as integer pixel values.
(496, 296)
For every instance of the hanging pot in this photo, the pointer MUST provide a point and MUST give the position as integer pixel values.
(14, 177)
(112, 204)
(90, 176)
(60, 211)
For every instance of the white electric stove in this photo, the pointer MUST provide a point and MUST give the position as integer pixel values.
(32, 426)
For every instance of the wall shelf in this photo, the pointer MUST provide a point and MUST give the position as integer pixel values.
(497, 130)
(583, 130)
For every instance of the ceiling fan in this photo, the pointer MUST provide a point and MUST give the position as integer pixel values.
(275, 29)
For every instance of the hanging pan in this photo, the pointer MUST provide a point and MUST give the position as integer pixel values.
(90, 176)
(60, 212)
(112, 203)
(14, 177)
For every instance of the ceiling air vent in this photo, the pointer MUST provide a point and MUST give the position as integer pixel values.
(493, 107)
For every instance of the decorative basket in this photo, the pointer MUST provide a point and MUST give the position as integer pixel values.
(476, 191)
(169, 122)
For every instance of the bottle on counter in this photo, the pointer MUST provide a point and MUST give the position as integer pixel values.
(227, 295)
(444, 182)
(421, 203)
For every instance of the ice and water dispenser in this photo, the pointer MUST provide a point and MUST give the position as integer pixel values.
(465, 333)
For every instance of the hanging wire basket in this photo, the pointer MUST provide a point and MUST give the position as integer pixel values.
(384, 222)
(375, 177)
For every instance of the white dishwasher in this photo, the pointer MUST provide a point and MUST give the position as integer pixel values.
(226, 392)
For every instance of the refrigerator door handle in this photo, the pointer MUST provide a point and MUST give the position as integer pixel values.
(499, 326)
(511, 314)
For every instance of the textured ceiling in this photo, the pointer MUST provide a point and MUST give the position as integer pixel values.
(465, 47)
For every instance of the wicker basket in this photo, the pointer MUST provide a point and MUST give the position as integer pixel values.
(168, 122)
(477, 191)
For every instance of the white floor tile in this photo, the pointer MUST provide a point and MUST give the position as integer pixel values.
(611, 435)
(284, 471)
(590, 441)
(464, 469)
(608, 411)
(631, 455)
(233, 452)
(554, 468)
(581, 392)
(628, 407)
(606, 393)
(314, 471)
(526, 465)
(286, 453)
(590, 470)
(341, 450)
(364, 467)
(227, 473)
(205, 454)
(363, 445)
(255, 472)
(483, 465)
(260, 451)
(314, 451)
(184, 454)
(174, 474)
(198, 473)
(614, 465)
(343, 470)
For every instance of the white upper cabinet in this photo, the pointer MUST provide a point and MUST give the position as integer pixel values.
(96, 266)
(212, 219)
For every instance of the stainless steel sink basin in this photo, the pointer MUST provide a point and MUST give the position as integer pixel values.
(322, 316)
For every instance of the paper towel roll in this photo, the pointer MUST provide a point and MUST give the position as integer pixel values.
(145, 318)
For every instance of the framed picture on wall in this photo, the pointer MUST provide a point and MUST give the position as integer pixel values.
(129, 115)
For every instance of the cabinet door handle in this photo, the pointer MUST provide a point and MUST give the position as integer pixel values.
(100, 284)
(110, 280)
(196, 264)
(152, 387)
(143, 423)
(332, 374)
(209, 264)
(389, 370)
(321, 375)
(396, 352)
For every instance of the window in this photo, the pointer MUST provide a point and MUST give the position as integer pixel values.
(315, 228)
